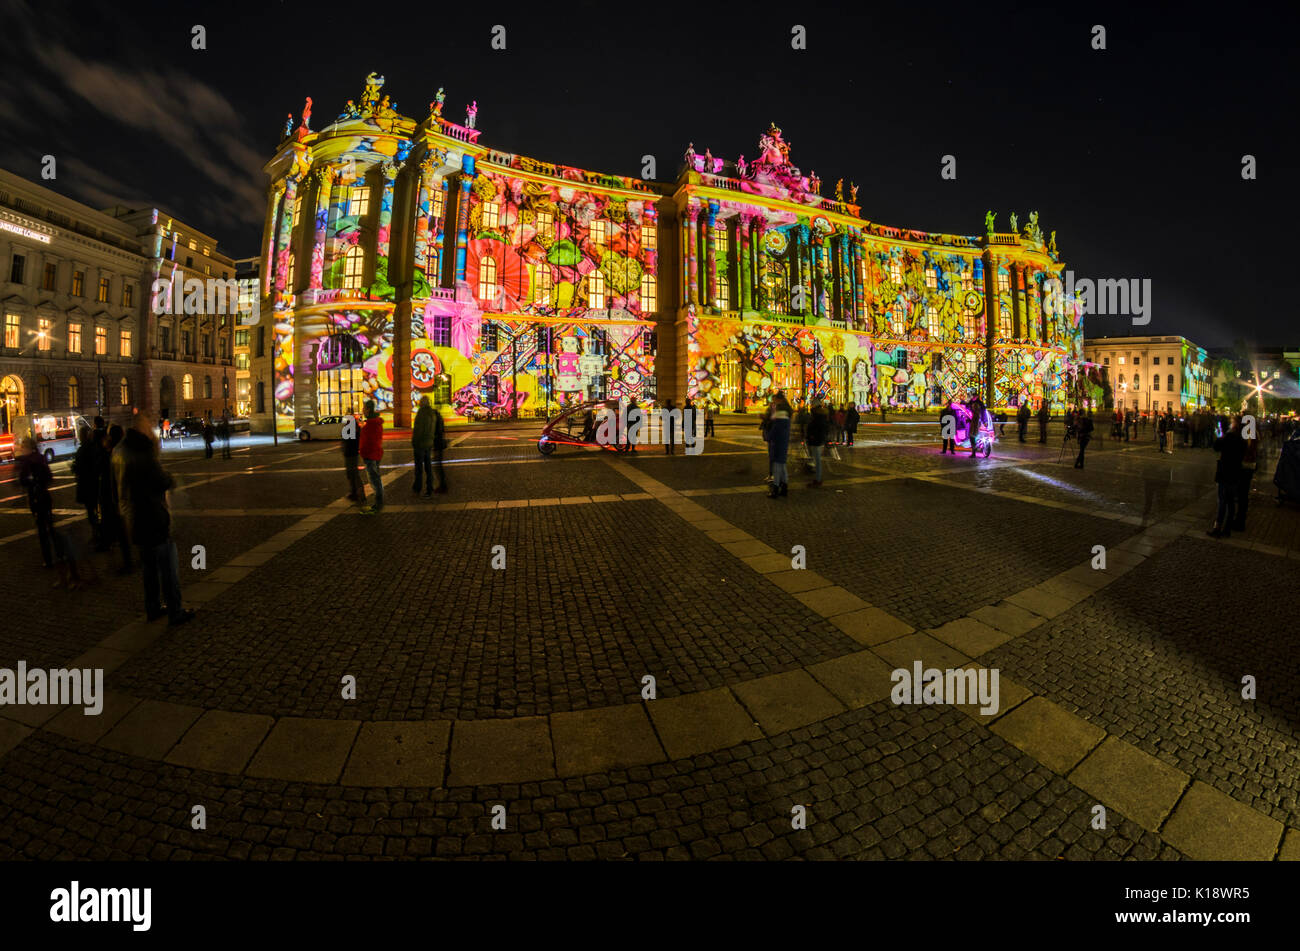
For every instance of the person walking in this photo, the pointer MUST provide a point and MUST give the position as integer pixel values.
(111, 522)
(819, 430)
(372, 451)
(948, 423)
(851, 420)
(839, 422)
(35, 477)
(143, 485)
(776, 430)
(422, 432)
(1083, 432)
(1022, 418)
(1044, 417)
(352, 458)
(1227, 476)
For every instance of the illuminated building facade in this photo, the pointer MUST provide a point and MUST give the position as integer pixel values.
(1149, 373)
(403, 259)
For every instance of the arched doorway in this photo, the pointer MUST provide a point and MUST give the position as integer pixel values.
(12, 404)
(837, 375)
(787, 372)
(731, 382)
(166, 397)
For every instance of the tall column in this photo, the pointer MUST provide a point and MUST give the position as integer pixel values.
(860, 277)
(692, 252)
(846, 278)
(423, 224)
(757, 228)
(1017, 315)
(462, 217)
(286, 233)
(744, 227)
(711, 255)
(271, 232)
(439, 238)
(324, 188)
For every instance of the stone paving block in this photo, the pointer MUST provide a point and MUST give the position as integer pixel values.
(1124, 777)
(970, 636)
(33, 715)
(1289, 852)
(1041, 602)
(134, 636)
(575, 500)
(513, 504)
(540, 503)
(104, 657)
(1086, 577)
(11, 734)
(1009, 696)
(798, 579)
(399, 753)
(856, 679)
(1007, 617)
(781, 702)
(743, 549)
(831, 601)
(477, 506)
(1066, 590)
(768, 564)
(701, 722)
(871, 626)
(604, 738)
(1055, 737)
(229, 574)
(516, 750)
(1210, 826)
(74, 723)
(205, 591)
(221, 741)
(637, 496)
(150, 728)
(711, 524)
(906, 651)
(304, 750)
(725, 535)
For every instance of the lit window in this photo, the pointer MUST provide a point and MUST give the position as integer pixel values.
(439, 203)
(1121, 361)
(545, 284)
(932, 320)
(649, 237)
(47, 282)
(1004, 322)
(124, 345)
(648, 293)
(101, 340)
(597, 232)
(491, 214)
(931, 278)
(297, 214)
(721, 241)
(353, 267)
(193, 245)
(78, 283)
(545, 223)
(45, 333)
(74, 338)
(967, 279)
(596, 290)
(74, 391)
(895, 271)
(358, 203)
(431, 267)
(187, 387)
(724, 292)
(1004, 282)
(288, 275)
(487, 278)
(128, 295)
(13, 331)
(900, 319)
(124, 391)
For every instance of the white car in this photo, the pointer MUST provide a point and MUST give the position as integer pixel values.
(327, 427)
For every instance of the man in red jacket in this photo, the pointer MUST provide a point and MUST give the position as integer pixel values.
(372, 450)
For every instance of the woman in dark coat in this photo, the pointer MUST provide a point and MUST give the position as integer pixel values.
(776, 431)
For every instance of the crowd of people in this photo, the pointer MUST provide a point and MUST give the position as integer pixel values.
(121, 484)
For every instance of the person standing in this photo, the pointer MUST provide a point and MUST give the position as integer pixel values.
(1162, 432)
(688, 419)
(667, 424)
(111, 522)
(708, 417)
(439, 444)
(35, 477)
(422, 444)
(209, 437)
(1022, 418)
(1227, 476)
(948, 423)
(223, 433)
(976, 421)
(776, 430)
(352, 458)
(819, 429)
(839, 425)
(1246, 475)
(851, 420)
(86, 471)
(1084, 428)
(143, 485)
(1044, 417)
(372, 451)
(633, 418)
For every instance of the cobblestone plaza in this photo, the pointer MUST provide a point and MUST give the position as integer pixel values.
(524, 685)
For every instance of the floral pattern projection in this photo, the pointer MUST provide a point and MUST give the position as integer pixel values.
(552, 309)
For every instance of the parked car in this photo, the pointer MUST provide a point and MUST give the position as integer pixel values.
(187, 426)
(327, 427)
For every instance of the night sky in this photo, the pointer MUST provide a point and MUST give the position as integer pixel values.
(1132, 154)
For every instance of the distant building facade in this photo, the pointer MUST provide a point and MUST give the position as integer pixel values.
(1151, 373)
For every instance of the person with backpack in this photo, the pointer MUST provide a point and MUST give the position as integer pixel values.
(819, 428)
(372, 452)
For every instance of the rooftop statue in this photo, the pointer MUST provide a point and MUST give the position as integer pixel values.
(1052, 244)
(989, 219)
(839, 190)
(288, 125)
(853, 190)
(1014, 227)
(371, 93)
(438, 99)
(350, 111)
(1032, 229)
(471, 115)
(690, 154)
(740, 166)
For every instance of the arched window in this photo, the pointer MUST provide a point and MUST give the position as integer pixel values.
(596, 290)
(723, 301)
(899, 323)
(43, 392)
(1137, 381)
(74, 391)
(187, 387)
(1004, 322)
(354, 263)
(124, 392)
(1170, 380)
(487, 278)
(207, 387)
(787, 372)
(932, 321)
